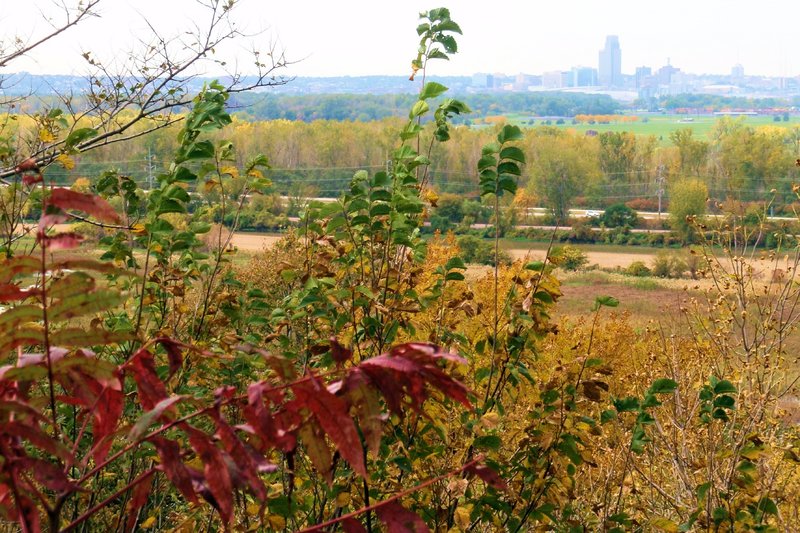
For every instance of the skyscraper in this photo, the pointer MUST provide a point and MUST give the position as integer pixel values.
(610, 71)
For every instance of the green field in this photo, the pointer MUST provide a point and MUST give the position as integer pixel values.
(659, 125)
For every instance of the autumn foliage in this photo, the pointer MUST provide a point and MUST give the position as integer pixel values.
(356, 376)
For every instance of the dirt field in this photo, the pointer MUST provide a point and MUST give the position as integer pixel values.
(601, 259)
(254, 242)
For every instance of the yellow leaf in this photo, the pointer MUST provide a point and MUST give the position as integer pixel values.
(46, 136)
(139, 229)
(232, 171)
(664, 524)
(276, 521)
(490, 420)
(462, 518)
(342, 499)
(66, 161)
(150, 522)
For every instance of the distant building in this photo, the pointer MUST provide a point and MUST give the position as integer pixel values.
(553, 80)
(610, 71)
(642, 76)
(666, 73)
(482, 81)
(737, 72)
(583, 77)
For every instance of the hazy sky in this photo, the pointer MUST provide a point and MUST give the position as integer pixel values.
(363, 37)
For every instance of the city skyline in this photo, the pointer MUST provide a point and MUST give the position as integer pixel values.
(358, 37)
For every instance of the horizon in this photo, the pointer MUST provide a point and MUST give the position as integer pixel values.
(352, 38)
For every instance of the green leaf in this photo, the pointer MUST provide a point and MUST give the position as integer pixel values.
(491, 442)
(607, 301)
(724, 387)
(509, 133)
(420, 107)
(78, 136)
(454, 276)
(607, 416)
(623, 405)
(663, 386)
(432, 90)
(513, 153)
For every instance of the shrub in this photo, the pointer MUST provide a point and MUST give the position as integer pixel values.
(638, 269)
(570, 257)
(480, 251)
(619, 215)
(668, 265)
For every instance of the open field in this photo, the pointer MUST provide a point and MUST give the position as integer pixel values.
(660, 125)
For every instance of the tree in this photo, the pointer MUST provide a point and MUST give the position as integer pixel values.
(142, 90)
(693, 152)
(561, 165)
(687, 202)
(619, 215)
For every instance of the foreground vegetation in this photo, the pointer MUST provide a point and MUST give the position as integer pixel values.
(354, 376)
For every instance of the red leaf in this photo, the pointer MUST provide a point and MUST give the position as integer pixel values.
(28, 515)
(407, 370)
(39, 439)
(169, 453)
(215, 471)
(264, 425)
(317, 449)
(48, 474)
(366, 404)
(174, 351)
(400, 520)
(151, 388)
(488, 475)
(339, 353)
(10, 292)
(156, 413)
(247, 465)
(27, 165)
(351, 525)
(62, 241)
(88, 203)
(30, 179)
(138, 499)
(332, 414)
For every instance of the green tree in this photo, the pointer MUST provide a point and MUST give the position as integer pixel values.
(687, 201)
(619, 215)
(562, 166)
(693, 152)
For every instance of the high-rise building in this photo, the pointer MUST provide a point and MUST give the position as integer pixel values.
(583, 76)
(610, 71)
(642, 74)
(737, 72)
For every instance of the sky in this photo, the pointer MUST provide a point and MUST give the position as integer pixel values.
(377, 37)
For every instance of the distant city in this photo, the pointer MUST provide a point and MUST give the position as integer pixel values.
(641, 82)
(645, 81)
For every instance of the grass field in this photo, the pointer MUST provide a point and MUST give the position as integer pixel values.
(659, 126)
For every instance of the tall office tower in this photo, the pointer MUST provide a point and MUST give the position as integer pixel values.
(610, 71)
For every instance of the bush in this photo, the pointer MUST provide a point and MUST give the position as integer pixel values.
(638, 269)
(479, 251)
(619, 215)
(668, 265)
(570, 257)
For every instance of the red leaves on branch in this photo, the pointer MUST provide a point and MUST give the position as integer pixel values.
(169, 452)
(332, 415)
(339, 353)
(217, 487)
(408, 370)
(151, 388)
(28, 165)
(88, 203)
(138, 500)
(398, 519)
(487, 474)
(61, 241)
(351, 525)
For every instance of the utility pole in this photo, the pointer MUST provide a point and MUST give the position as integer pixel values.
(660, 184)
(149, 169)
